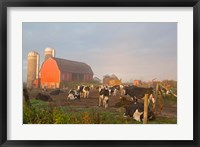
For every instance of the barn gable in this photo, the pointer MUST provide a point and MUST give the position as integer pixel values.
(50, 74)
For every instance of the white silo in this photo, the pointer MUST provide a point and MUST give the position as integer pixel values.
(49, 52)
(33, 68)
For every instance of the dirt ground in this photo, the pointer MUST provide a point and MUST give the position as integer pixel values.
(169, 111)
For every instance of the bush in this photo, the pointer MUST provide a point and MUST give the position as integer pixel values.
(42, 113)
(37, 114)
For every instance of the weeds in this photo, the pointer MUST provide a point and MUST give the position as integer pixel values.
(42, 113)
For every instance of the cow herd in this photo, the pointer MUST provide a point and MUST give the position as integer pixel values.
(133, 108)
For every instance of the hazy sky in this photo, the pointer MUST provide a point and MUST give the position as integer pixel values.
(129, 50)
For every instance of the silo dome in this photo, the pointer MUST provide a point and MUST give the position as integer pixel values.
(49, 52)
(33, 68)
(32, 53)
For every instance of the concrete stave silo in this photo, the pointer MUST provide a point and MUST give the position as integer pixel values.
(33, 69)
(49, 52)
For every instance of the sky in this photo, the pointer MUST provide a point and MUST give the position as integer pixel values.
(131, 51)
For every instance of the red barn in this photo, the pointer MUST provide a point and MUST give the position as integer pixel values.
(54, 71)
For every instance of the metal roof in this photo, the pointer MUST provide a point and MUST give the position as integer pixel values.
(73, 66)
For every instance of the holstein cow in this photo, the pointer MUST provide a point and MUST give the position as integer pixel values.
(113, 90)
(43, 97)
(119, 88)
(84, 91)
(103, 96)
(73, 95)
(136, 110)
(139, 92)
(166, 92)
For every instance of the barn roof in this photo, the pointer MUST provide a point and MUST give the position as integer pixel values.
(73, 66)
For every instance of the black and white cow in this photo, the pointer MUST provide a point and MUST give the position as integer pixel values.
(73, 95)
(166, 92)
(119, 88)
(136, 110)
(139, 92)
(111, 90)
(103, 96)
(84, 91)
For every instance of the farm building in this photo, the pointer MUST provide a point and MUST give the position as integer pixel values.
(111, 80)
(55, 71)
(137, 82)
(97, 79)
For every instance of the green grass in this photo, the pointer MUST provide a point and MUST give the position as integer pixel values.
(36, 103)
(170, 100)
(163, 120)
(41, 113)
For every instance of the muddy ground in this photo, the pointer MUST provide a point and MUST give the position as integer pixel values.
(169, 110)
